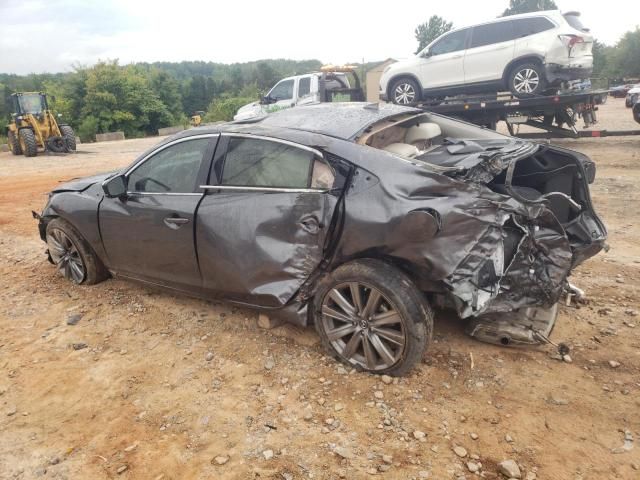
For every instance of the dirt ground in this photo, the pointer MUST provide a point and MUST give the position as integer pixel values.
(144, 400)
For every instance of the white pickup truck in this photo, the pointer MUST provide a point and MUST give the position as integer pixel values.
(331, 84)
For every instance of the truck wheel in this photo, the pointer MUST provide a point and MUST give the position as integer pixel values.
(405, 91)
(527, 80)
(73, 256)
(28, 143)
(69, 136)
(371, 316)
(14, 143)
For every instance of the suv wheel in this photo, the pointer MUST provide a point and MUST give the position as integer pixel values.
(372, 317)
(527, 80)
(405, 91)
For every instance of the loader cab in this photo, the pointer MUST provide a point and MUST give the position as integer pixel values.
(29, 103)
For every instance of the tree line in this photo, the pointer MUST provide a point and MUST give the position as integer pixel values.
(139, 99)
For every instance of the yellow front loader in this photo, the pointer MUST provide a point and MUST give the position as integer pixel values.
(34, 127)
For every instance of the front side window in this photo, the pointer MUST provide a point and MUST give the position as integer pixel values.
(451, 43)
(304, 86)
(172, 170)
(282, 91)
(492, 33)
(524, 27)
(253, 162)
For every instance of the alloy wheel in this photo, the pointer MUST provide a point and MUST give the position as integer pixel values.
(66, 256)
(526, 81)
(363, 326)
(404, 94)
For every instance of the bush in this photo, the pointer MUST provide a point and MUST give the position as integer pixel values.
(88, 129)
(223, 109)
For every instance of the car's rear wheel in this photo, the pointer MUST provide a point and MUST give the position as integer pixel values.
(371, 316)
(72, 255)
(527, 80)
(405, 91)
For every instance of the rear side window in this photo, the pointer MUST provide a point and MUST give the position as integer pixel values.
(530, 26)
(304, 86)
(451, 43)
(492, 33)
(254, 162)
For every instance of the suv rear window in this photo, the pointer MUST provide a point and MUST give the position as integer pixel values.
(530, 26)
(492, 33)
(573, 19)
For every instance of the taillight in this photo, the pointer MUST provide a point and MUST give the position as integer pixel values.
(570, 40)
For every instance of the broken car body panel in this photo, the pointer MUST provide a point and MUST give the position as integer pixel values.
(487, 222)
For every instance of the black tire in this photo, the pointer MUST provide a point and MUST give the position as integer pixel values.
(28, 142)
(67, 255)
(404, 315)
(14, 143)
(70, 137)
(527, 80)
(404, 91)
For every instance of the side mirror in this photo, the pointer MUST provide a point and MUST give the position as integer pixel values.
(426, 54)
(115, 186)
(266, 100)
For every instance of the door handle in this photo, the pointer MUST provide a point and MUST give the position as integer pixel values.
(311, 225)
(175, 222)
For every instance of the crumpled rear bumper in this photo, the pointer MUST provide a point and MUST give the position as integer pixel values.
(522, 261)
(556, 72)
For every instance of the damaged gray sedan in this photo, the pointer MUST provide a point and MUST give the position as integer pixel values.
(356, 218)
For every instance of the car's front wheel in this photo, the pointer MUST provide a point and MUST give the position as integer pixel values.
(527, 80)
(405, 91)
(371, 316)
(71, 254)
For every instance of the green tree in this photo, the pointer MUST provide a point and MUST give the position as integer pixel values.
(527, 6)
(266, 76)
(430, 30)
(168, 90)
(624, 60)
(121, 98)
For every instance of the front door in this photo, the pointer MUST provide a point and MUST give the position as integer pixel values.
(149, 233)
(443, 63)
(282, 95)
(262, 226)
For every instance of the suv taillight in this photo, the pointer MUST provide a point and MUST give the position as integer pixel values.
(570, 40)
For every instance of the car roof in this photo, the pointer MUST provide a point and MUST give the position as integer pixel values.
(554, 14)
(339, 120)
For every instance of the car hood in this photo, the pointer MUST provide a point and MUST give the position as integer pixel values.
(81, 184)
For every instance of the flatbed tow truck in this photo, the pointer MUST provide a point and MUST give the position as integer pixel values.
(555, 115)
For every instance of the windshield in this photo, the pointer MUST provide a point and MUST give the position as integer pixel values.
(573, 19)
(31, 103)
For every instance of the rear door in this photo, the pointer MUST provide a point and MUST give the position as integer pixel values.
(262, 225)
(534, 36)
(490, 51)
(443, 62)
(149, 233)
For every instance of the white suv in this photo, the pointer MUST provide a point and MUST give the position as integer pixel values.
(526, 54)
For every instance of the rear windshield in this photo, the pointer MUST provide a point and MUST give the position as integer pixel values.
(573, 19)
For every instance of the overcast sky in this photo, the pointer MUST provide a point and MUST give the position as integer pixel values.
(52, 35)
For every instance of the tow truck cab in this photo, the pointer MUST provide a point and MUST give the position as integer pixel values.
(330, 84)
